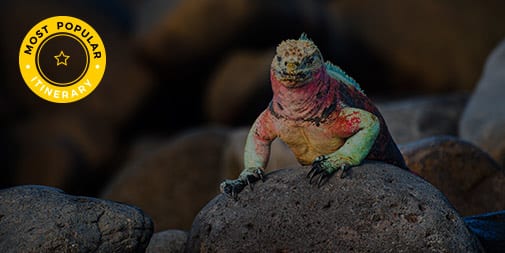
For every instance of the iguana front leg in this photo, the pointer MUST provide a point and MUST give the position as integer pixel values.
(256, 155)
(361, 128)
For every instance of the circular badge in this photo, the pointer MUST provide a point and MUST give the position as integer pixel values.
(62, 59)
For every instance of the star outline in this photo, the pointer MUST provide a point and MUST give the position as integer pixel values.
(61, 58)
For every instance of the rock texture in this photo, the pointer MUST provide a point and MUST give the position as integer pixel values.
(44, 219)
(415, 118)
(376, 208)
(483, 121)
(173, 180)
(172, 241)
(472, 181)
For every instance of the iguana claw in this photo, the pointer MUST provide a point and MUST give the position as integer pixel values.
(321, 167)
(233, 187)
(317, 167)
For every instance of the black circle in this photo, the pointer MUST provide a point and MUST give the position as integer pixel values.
(62, 59)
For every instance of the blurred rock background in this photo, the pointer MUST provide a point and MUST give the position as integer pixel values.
(163, 128)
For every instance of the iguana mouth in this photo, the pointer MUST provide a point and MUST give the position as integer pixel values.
(293, 79)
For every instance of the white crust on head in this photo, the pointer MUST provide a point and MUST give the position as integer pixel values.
(296, 50)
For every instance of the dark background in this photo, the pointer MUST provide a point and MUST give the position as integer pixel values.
(179, 65)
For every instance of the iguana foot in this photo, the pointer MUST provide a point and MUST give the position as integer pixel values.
(324, 168)
(233, 187)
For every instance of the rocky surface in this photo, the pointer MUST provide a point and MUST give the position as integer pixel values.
(472, 181)
(172, 241)
(44, 219)
(173, 180)
(375, 208)
(483, 121)
(412, 119)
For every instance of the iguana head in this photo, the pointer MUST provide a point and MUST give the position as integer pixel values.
(296, 61)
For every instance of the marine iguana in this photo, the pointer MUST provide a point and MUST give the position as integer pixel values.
(320, 113)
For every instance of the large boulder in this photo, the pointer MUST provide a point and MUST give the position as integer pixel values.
(483, 121)
(375, 208)
(472, 181)
(45, 219)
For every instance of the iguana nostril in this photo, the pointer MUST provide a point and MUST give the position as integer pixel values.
(291, 66)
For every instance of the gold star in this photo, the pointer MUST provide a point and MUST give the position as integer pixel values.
(61, 58)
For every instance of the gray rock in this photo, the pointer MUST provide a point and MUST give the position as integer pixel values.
(45, 219)
(168, 241)
(472, 181)
(416, 118)
(483, 121)
(375, 208)
(172, 179)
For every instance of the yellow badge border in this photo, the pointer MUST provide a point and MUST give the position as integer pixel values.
(29, 68)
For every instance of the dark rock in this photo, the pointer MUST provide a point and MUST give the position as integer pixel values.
(44, 219)
(442, 53)
(238, 87)
(490, 229)
(233, 157)
(472, 181)
(174, 180)
(416, 118)
(168, 241)
(483, 121)
(375, 208)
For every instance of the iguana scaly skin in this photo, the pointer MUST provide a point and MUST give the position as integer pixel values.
(320, 113)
